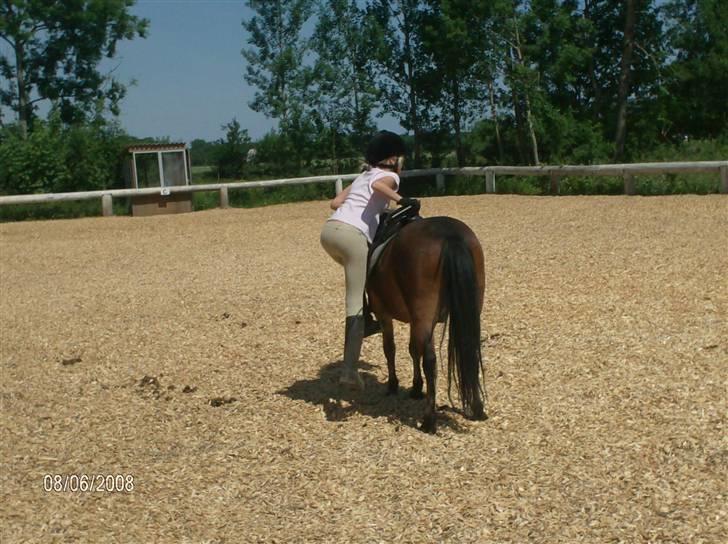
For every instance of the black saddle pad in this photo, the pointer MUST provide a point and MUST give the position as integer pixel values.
(390, 223)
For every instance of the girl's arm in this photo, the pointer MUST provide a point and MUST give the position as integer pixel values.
(386, 187)
(336, 202)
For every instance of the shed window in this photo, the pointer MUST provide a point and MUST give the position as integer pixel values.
(147, 167)
(173, 165)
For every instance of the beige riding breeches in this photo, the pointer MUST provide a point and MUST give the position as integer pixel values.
(347, 245)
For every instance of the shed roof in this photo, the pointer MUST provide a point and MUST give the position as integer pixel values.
(156, 147)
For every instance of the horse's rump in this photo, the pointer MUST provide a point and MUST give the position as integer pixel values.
(411, 264)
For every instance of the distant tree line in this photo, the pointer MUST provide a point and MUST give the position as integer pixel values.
(496, 81)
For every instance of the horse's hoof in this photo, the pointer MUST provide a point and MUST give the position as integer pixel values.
(416, 394)
(476, 414)
(351, 380)
(392, 388)
(428, 425)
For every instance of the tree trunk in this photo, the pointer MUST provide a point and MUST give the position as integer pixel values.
(412, 92)
(595, 87)
(518, 114)
(333, 149)
(494, 114)
(527, 102)
(356, 123)
(531, 130)
(415, 122)
(456, 121)
(624, 79)
(23, 101)
(517, 109)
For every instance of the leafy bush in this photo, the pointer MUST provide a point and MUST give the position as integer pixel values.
(56, 158)
(35, 165)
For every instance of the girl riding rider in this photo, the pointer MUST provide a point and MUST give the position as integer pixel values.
(350, 229)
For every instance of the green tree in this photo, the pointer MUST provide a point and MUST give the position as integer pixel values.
(458, 76)
(574, 83)
(232, 151)
(275, 65)
(697, 74)
(403, 65)
(624, 70)
(346, 41)
(521, 78)
(56, 48)
(560, 50)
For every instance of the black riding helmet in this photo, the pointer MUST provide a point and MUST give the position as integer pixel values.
(384, 145)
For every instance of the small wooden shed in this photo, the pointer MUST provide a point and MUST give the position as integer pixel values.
(158, 166)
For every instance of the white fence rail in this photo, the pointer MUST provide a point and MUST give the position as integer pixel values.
(555, 173)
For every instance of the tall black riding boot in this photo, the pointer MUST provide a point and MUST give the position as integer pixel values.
(352, 348)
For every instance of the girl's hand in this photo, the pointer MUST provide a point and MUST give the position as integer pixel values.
(336, 202)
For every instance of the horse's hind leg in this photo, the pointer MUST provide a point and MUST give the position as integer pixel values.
(429, 423)
(389, 353)
(416, 351)
(421, 348)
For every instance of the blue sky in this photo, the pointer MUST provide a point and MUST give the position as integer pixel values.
(189, 72)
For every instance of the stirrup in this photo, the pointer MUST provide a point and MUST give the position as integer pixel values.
(371, 325)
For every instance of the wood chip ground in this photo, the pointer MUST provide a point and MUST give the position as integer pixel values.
(199, 354)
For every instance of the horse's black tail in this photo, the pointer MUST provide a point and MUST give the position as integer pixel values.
(461, 298)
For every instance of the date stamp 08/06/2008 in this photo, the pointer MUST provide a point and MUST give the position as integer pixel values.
(88, 483)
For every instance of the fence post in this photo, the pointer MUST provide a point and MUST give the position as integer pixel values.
(224, 198)
(107, 206)
(554, 183)
(724, 180)
(490, 181)
(440, 182)
(339, 186)
(629, 184)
